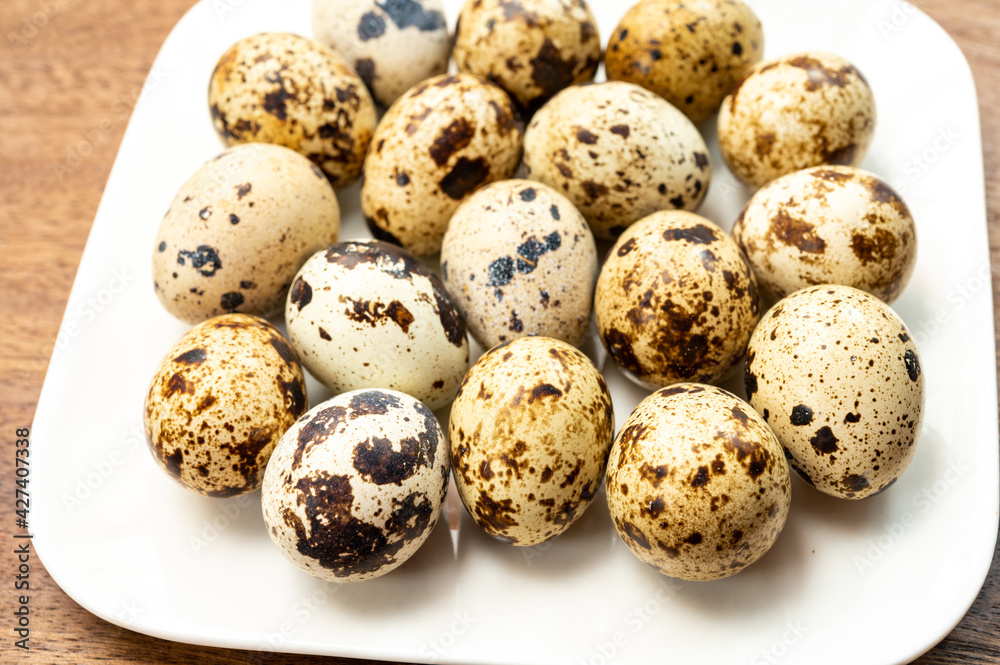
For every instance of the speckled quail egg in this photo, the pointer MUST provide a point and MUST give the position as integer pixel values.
(801, 110)
(690, 53)
(698, 487)
(392, 44)
(219, 401)
(835, 374)
(618, 152)
(292, 91)
(675, 301)
(519, 259)
(441, 141)
(828, 225)
(530, 432)
(356, 485)
(238, 231)
(370, 315)
(531, 48)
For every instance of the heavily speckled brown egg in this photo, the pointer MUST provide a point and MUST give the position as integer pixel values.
(801, 110)
(531, 48)
(441, 141)
(356, 485)
(519, 260)
(292, 91)
(698, 486)
(370, 315)
(835, 374)
(675, 301)
(618, 152)
(219, 401)
(392, 45)
(530, 431)
(238, 231)
(690, 53)
(828, 225)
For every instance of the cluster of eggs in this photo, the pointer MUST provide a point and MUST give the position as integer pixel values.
(697, 480)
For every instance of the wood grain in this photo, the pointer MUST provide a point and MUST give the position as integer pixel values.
(68, 73)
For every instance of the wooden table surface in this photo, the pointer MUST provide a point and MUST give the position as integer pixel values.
(69, 72)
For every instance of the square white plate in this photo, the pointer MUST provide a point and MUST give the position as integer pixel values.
(881, 580)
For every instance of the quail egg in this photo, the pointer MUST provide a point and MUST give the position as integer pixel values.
(519, 259)
(675, 301)
(530, 431)
(219, 401)
(835, 374)
(698, 487)
(356, 485)
(618, 152)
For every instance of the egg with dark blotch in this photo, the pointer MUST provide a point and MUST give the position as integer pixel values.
(219, 401)
(834, 372)
(690, 53)
(797, 111)
(371, 315)
(441, 141)
(675, 301)
(392, 45)
(828, 225)
(619, 153)
(239, 229)
(530, 48)
(698, 486)
(530, 431)
(289, 90)
(356, 486)
(519, 259)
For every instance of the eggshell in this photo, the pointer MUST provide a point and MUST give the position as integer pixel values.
(618, 152)
(690, 53)
(239, 229)
(530, 48)
(698, 487)
(370, 315)
(441, 141)
(292, 91)
(355, 487)
(675, 301)
(800, 110)
(835, 374)
(520, 260)
(530, 431)
(219, 401)
(828, 225)
(392, 45)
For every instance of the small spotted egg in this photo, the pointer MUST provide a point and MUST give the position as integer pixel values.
(530, 432)
(698, 487)
(370, 315)
(292, 91)
(238, 231)
(519, 260)
(690, 53)
(801, 110)
(393, 45)
(618, 152)
(531, 48)
(828, 225)
(356, 485)
(440, 142)
(219, 401)
(835, 374)
(675, 301)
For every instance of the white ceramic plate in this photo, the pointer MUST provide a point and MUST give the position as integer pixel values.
(881, 581)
